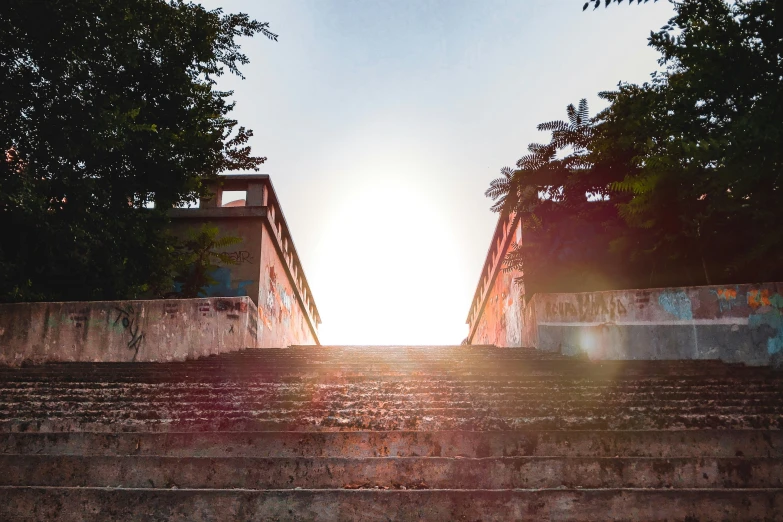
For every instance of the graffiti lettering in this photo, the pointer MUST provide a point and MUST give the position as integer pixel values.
(170, 309)
(727, 298)
(766, 321)
(589, 307)
(129, 320)
(228, 305)
(240, 256)
(204, 308)
(758, 298)
(642, 299)
(677, 303)
(80, 317)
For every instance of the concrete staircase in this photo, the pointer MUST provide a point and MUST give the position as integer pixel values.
(391, 433)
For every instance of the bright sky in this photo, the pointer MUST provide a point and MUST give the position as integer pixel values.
(384, 122)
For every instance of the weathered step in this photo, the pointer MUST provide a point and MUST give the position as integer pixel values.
(362, 444)
(389, 472)
(76, 504)
(360, 408)
(470, 421)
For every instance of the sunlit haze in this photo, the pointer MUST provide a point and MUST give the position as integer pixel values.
(384, 122)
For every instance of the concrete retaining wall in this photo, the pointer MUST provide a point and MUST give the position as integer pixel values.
(120, 331)
(739, 323)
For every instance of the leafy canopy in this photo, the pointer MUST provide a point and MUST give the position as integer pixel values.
(109, 107)
(200, 257)
(679, 181)
(597, 3)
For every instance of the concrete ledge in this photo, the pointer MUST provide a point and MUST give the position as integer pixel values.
(121, 331)
(71, 504)
(387, 473)
(367, 444)
(736, 324)
(217, 213)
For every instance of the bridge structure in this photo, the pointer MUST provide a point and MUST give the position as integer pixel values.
(185, 410)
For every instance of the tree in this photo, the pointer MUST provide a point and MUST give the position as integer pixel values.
(562, 200)
(597, 3)
(109, 107)
(707, 177)
(200, 258)
(679, 181)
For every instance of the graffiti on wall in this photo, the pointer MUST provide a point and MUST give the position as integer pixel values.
(500, 323)
(677, 303)
(727, 298)
(129, 319)
(80, 318)
(224, 285)
(589, 307)
(278, 305)
(239, 256)
(767, 318)
(232, 309)
(170, 310)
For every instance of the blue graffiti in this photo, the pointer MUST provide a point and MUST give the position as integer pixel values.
(728, 298)
(677, 303)
(772, 316)
(223, 286)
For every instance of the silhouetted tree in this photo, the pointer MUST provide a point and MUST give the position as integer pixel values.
(109, 106)
(597, 3)
(680, 180)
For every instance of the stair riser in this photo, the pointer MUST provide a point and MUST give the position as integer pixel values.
(324, 398)
(151, 422)
(71, 505)
(660, 444)
(391, 372)
(411, 473)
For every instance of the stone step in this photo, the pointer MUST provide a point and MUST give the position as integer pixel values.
(389, 472)
(324, 405)
(74, 504)
(505, 373)
(369, 360)
(500, 390)
(353, 360)
(614, 414)
(470, 421)
(468, 444)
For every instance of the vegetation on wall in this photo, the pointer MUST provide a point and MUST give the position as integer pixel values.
(199, 257)
(109, 107)
(679, 181)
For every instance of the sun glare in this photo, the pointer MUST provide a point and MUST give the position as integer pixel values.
(388, 262)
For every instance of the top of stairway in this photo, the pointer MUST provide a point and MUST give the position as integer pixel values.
(419, 388)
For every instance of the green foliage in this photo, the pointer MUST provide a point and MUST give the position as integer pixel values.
(597, 3)
(679, 181)
(199, 257)
(109, 107)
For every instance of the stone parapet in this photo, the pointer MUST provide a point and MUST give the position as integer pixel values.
(123, 331)
(733, 323)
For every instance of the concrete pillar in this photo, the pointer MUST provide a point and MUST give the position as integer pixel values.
(214, 201)
(256, 194)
